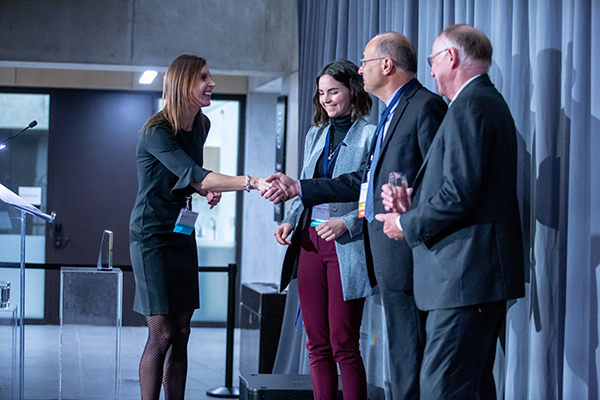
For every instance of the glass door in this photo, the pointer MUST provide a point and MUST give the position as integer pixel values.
(215, 229)
(23, 170)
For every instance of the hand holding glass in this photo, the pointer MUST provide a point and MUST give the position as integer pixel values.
(396, 194)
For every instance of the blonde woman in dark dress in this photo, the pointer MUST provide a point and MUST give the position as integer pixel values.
(165, 263)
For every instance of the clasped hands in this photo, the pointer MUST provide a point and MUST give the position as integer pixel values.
(283, 188)
(276, 188)
(280, 188)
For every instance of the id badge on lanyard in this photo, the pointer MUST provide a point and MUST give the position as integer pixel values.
(186, 219)
(320, 214)
(362, 199)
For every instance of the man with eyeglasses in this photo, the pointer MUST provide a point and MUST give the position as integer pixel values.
(405, 131)
(463, 222)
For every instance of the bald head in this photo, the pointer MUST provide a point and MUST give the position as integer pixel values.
(389, 62)
(397, 47)
(475, 48)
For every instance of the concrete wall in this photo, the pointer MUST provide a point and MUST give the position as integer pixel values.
(251, 47)
(262, 256)
(253, 37)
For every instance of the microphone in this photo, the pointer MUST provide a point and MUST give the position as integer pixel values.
(31, 125)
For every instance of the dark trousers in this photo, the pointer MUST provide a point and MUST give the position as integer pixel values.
(406, 340)
(332, 324)
(405, 323)
(460, 351)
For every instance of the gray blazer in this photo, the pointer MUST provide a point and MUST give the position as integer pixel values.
(464, 228)
(349, 247)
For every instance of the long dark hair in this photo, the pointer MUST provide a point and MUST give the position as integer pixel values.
(345, 72)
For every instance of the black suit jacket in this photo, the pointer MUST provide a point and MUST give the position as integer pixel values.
(464, 227)
(412, 128)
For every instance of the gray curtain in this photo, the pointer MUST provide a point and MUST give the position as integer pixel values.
(546, 63)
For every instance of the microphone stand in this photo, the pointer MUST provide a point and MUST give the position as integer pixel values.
(31, 125)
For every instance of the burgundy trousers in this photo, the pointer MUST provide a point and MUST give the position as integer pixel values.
(332, 324)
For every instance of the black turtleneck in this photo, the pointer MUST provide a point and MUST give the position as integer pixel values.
(337, 132)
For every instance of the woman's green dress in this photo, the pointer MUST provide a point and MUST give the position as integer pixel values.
(165, 263)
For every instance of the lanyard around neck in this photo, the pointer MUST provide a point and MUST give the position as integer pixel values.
(330, 158)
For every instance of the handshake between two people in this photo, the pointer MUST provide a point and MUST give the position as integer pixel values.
(283, 188)
(396, 201)
(280, 188)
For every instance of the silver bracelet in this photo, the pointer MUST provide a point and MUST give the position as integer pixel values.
(247, 183)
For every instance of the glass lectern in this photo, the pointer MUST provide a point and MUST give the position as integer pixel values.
(90, 329)
(7, 219)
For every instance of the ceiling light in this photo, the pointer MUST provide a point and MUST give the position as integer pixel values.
(148, 77)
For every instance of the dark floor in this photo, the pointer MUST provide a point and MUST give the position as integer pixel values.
(89, 368)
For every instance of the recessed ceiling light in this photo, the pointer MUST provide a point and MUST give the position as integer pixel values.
(148, 77)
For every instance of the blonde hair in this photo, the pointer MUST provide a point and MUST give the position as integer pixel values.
(181, 78)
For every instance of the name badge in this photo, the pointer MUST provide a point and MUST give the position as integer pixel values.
(185, 222)
(320, 214)
(362, 199)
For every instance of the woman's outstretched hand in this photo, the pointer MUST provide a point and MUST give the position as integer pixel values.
(259, 184)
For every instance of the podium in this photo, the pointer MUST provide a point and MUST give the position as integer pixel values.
(8, 352)
(15, 205)
(90, 318)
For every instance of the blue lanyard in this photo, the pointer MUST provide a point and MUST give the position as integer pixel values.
(329, 159)
(382, 120)
(298, 319)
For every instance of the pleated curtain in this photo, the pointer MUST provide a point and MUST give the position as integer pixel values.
(546, 64)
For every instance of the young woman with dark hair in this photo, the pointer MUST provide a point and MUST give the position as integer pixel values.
(326, 252)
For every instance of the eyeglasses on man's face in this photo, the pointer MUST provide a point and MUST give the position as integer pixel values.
(432, 56)
(363, 61)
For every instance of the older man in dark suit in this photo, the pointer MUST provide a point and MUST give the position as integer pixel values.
(404, 133)
(463, 224)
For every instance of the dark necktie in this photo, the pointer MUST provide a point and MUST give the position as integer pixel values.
(379, 133)
(369, 212)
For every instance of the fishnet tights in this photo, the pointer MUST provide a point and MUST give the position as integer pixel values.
(165, 356)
